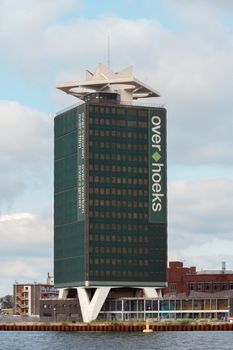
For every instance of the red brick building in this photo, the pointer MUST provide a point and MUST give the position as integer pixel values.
(186, 279)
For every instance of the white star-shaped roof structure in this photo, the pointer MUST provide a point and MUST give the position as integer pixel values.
(105, 80)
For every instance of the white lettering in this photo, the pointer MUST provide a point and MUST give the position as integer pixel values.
(81, 167)
(156, 168)
(156, 206)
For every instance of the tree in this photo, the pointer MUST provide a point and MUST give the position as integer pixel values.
(6, 302)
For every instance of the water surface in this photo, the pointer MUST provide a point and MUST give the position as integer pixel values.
(123, 341)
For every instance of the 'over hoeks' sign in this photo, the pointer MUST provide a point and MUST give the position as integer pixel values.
(157, 166)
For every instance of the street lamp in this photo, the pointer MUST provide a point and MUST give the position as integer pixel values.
(54, 314)
(70, 312)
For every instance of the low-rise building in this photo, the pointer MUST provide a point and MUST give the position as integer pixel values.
(190, 294)
(196, 306)
(27, 296)
(60, 310)
(187, 279)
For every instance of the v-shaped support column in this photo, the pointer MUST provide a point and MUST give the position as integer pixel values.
(152, 293)
(90, 308)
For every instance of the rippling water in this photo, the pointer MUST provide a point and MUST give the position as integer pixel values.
(121, 341)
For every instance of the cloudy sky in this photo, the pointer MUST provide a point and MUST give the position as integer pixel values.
(182, 48)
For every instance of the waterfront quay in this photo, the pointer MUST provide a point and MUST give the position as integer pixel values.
(119, 327)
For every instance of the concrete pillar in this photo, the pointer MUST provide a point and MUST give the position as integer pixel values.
(90, 308)
(152, 293)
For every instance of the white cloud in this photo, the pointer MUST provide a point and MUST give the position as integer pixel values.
(26, 248)
(11, 187)
(202, 207)
(201, 221)
(31, 14)
(25, 234)
(23, 270)
(193, 70)
(25, 135)
(198, 14)
(23, 33)
(26, 269)
(25, 149)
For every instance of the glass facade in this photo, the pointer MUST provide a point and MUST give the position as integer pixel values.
(144, 309)
(113, 242)
(69, 247)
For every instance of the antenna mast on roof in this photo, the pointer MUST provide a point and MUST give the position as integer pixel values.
(108, 52)
(223, 266)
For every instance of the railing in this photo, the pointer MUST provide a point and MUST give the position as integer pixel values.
(122, 103)
(18, 318)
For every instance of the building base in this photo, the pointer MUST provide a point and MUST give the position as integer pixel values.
(92, 299)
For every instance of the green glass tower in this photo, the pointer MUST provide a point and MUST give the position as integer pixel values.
(110, 193)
